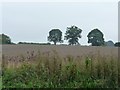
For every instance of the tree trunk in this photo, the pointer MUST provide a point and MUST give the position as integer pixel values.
(54, 43)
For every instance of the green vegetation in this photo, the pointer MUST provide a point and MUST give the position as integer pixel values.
(51, 71)
(34, 43)
(96, 37)
(117, 44)
(73, 34)
(0, 82)
(55, 35)
(4, 39)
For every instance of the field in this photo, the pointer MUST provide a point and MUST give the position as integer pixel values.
(50, 66)
(10, 50)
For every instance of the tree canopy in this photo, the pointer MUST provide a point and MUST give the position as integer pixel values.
(4, 39)
(73, 34)
(117, 44)
(55, 35)
(109, 43)
(95, 37)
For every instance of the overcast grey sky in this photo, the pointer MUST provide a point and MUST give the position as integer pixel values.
(31, 22)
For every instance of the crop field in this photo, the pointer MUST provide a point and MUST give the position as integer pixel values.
(63, 50)
(60, 66)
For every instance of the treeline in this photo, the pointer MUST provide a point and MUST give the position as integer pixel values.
(34, 43)
(72, 35)
(4, 39)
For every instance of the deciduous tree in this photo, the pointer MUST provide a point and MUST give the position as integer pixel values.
(73, 34)
(55, 35)
(4, 39)
(95, 37)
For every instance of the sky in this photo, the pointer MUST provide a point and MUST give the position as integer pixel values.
(32, 21)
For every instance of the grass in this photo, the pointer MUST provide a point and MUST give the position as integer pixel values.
(0, 83)
(51, 71)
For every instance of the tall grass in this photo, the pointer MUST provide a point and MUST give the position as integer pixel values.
(48, 70)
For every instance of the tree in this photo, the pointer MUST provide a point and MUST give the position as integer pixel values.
(117, 44)
(55, 35)
(109, 43)
(4, 39)
(95, 37)
(73, 34)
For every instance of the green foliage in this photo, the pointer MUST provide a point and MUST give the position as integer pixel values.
(55, 35)
(0, 82)
(117, 44)
(95, 37)
(34, 43)
(73, 34)
(87, 62)
(4, 39)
